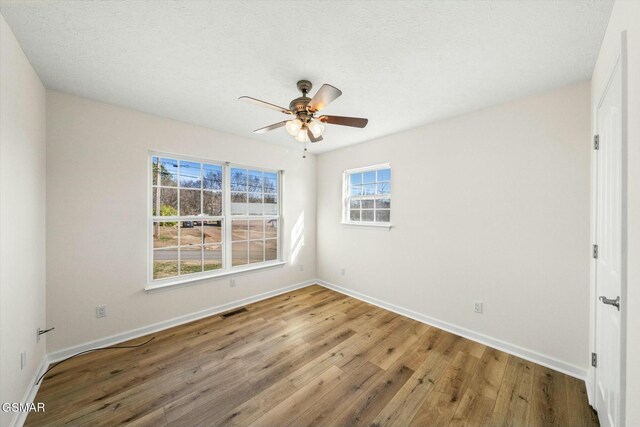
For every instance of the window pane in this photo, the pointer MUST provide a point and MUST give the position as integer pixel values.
(238, 179)
(190, 259)
(356, 190)
(256, 251)
(383, 203)
(270, 182)
(367, 215)
(355, 179)
(384, 175)
(271, 228)
(165, 202)
(165, 263)
(212, 177)
(255, 181)
(239, 204)
(270, 204)
(239, 252)
(212, 257)
(354, 204)
(382, 216)
(255, 204)
(190, 202)
(369, 177)
(168, 170)
(354, 215)
(256, 229)
(212, 231)
(190, 233)
(384, 188)
(240, 229)
(212, 203)
(368, 189)
(165, 234)
(270, 249)
(189, 174)
(155, 175)
(367, 204)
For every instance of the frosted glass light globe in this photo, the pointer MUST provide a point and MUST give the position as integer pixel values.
(316, 128)
(301, 136)
(293, 126)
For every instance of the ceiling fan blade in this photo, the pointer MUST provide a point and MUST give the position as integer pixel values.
(270, 127)
(264, 104)
(355, 122)
(323, 97)
(313, 138)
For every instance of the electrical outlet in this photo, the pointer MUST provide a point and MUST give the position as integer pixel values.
(342, 271)
(301, 267)
(23, 359)
(232, 283)
(477, 307)
(101, 311)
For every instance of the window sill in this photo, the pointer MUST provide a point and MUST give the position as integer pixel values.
(368, 224)
(186, 281)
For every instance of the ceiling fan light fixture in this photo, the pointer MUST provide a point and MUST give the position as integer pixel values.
(301, 136)
(316, 128)
(294, 126)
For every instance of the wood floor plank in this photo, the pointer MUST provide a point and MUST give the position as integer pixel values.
(400, 410)
(300, 401)
(549, 401)
(477, 403)
(340, 397)
(578, 413)
(370, 401)
(308, 357)
(513, 404)
(441, 404)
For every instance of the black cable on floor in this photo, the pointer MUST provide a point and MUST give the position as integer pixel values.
(94, 349)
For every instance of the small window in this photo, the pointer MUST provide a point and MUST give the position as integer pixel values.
(367, 195)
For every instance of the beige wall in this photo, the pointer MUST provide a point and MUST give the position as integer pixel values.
(22, 220)
(626, 17)
(490, 206)
(97, 217)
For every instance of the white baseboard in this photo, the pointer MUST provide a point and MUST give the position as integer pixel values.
(541, 359)
(145, 330)
(30, 394)
(588, 383)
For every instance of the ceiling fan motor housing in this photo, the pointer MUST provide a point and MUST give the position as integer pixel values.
(299, 105)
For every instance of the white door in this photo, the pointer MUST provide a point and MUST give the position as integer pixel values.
(609, 193)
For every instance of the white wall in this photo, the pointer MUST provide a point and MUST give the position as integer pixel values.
(22, 220)
(97, 171)
(490, 206)
(626, 17)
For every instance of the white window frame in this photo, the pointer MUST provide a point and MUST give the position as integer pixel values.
(346, 197)
(226, 218)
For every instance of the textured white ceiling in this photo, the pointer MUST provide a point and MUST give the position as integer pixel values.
(399, 63)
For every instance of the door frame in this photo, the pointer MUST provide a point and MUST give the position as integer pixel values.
(620, 61)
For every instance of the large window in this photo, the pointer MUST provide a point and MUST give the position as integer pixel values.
(367, 196)
(209, 218)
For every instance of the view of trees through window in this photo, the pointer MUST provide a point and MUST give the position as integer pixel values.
(189, 217)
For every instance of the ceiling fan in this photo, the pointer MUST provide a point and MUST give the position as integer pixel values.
(305, 126)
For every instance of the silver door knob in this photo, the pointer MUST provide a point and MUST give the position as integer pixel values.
(610, 301)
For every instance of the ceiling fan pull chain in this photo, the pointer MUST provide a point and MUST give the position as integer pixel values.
(304, 151)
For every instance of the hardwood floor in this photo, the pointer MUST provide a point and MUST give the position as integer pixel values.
(309, 357)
